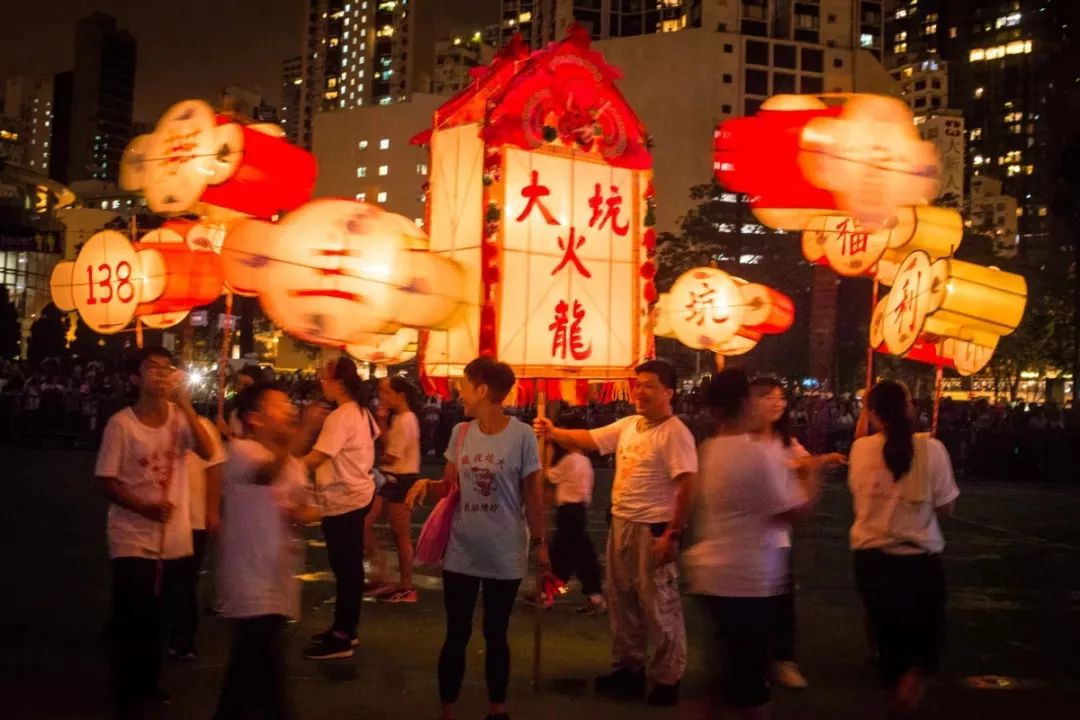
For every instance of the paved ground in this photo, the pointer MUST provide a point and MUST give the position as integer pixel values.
(1013, 565)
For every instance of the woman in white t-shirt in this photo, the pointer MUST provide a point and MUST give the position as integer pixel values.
(773, 430)
(572, 551)
(901, 482)
(736, 568)
(343, 458)
(399, 463)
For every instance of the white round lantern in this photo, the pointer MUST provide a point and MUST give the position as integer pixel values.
(705, 308)
(106, 282)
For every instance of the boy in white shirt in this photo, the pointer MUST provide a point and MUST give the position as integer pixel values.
(266, 500)
(141, 468)
(655, 466)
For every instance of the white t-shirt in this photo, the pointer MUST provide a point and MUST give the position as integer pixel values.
(645, 465)
(787, 457)
(883, 519)
(149, 463)
(403, 442)
(741, 489)
(345, 481)
(572, 477)
(196, 473)
(259, 550)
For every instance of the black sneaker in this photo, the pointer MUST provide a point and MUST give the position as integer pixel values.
(329, 647)
(623, 684)
(663, 695)
(320, 637)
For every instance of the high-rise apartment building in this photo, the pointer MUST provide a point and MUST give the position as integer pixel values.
(1011, 72)
(292, 80)
(837, 23)
(363, 52)
(28, 101)
(92, 103)
(247, 104)
(455, 59)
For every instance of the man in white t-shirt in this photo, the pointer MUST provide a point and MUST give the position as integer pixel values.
(655, 464)
(141, 467)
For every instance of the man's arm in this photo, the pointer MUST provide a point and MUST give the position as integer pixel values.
(204, 444)
(581, 440)
(533, 486)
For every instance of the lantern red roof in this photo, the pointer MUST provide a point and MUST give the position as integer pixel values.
(564, 91)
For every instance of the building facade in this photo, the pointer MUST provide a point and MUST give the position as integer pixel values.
(291, 98)
(365, 154)
(455, 59)
(247, 104)
(28, 102)
(93, 103)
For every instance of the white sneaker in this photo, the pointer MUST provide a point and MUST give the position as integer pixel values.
(788, 675)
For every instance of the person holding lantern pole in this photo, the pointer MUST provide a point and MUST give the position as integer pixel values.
(655, 467)
(142, 469)
(773, 430)
(901, 484)
(737, 569)
(399, 462)
(493, 463)
(342, 458)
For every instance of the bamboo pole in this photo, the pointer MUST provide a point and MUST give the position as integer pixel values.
(538, 623)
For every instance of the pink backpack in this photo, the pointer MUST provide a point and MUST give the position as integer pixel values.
(435, 535)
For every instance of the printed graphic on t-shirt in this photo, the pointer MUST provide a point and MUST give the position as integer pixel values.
(484, 469)
(158, 466)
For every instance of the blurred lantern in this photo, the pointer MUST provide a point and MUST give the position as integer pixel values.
(177, 278)
(934, 347)
(385, 349)
(194, 156)
(707, 309)
(541, 189)
(799, 157)
(111, 281)
(335, 271)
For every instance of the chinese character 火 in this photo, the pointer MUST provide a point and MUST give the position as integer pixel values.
(569, 248)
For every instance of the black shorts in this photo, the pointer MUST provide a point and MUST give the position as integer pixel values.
(741, 644)
(397, 486)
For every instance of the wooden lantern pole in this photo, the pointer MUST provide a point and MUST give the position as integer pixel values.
(869, 346)
(223, 361)
(939, 375)
(538, 623)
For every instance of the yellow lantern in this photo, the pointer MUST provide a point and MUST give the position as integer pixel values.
(980, 298)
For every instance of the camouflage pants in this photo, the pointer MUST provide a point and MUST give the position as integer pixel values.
(643, 601)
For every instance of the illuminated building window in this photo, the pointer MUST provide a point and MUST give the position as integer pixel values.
(976, 134)
(979, 92)
(384, 144)
(900, 48)
(384, 170)
(381, 197)
(900, 36)
(421, 169)
(361, 171)
(866, 40)
(361, 196)
(362, 144)
(952, 33)
(1042, 212)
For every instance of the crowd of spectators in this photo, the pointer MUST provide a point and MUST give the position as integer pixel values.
(54, 406)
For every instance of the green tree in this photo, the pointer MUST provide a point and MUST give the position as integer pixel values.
(47, 336)
(10, 332)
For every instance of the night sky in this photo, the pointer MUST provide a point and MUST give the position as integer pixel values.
(186, 48)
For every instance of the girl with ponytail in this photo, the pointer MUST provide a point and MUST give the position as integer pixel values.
(901, 483)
